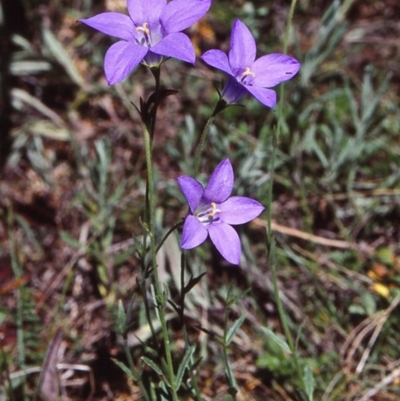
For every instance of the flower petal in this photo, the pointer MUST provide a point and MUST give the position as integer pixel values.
(113, 24)
(176, 45)
(239, 210)
(181, 14)
(266, 96)
(217, 59)
(193, 234)
(220, 185)
(142, 11)
(192, 190)
(226, 240)
(272, 69)
(121, 58)
(233, 90)
(242, 51)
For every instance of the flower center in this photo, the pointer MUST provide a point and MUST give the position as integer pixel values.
(245, 76)
(146, 40)
(208, 214)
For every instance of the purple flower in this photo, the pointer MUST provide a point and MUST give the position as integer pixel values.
(151, 31)
(245, 73)
(214, 211)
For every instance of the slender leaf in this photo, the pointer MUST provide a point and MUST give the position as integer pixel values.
(184, 364)
(151, 363)
(125, 369)
(278, 340)
(63, 58)
(309, 382)
(235, 327)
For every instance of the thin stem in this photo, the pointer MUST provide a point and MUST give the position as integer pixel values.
(182, 300)
(183, 325)
(201, 145)
(221, 105)
(156, 73)
(144, 269)
(148, 315)
(169, 232)
(270, 237)
(289, 25)
(151, 227)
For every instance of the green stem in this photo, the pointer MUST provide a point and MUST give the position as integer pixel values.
(270, 237)
(288, 25)
(169, 232)
(188, 343)
(201, 145)
(151, 227)
(221, 105)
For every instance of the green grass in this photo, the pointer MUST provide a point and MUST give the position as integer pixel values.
(73, 194)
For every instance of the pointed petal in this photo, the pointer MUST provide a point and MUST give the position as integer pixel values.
(273, 69)
(226, 240)
(266, 96)
(113, 24)
(239, 210)
(120, 60)
(149, 11)
(192, 190)
(242, 52)
(193, 234)
(181, 14)
(217, 59)
(220, 185)
(176, 45)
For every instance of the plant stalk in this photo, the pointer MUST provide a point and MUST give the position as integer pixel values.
(151, 227)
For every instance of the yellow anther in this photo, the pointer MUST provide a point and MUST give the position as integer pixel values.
(247, 71)
(144, 28)
(215, 210)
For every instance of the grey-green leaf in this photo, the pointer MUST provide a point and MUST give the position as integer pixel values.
(309, 382)
(124, 368)
(151, 363)
(235, 327)
(184, 364)
(276, 339)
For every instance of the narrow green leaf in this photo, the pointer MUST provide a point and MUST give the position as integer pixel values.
(60, 54)
(121, 318)
(235, 327)
(309, 382)
(48, 129)
(26, 98)
(151, 363)
(28, 67)
(277, 339)
(124, 368)
(184, 364)
(233, 298)
(70, 240)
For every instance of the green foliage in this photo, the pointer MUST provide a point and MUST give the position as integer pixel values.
(335, 177)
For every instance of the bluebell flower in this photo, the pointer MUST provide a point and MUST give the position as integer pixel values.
(245, 73)
(214, 211)
(150, 33)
